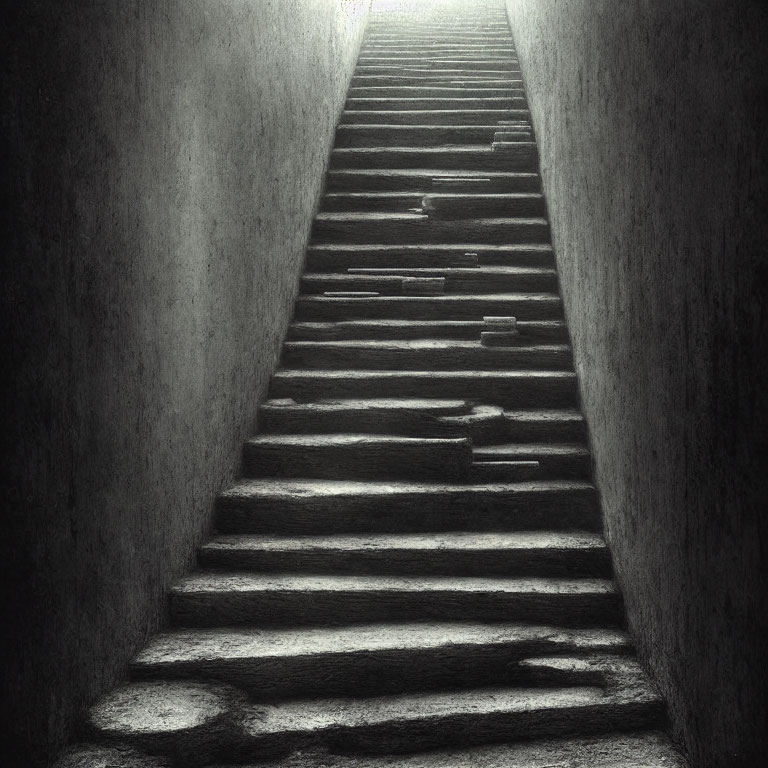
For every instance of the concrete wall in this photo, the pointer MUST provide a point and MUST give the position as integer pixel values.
(165, 160)
(650, 118)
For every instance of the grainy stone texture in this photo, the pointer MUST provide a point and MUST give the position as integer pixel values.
(165, 163)
(650, 122)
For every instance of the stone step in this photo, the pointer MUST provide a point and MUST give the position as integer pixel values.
(455, 37)
(434, 77)
(422, 180)
(505, 48)
(444, 205)
(508, 96)
(417, 77)
(424, 354)
(314, 507)
(406, 56)
(426, 116)
(525, 306)
(364, 660)
(556, 460)
(388, 280)
(414, 228)
(197, 722)
(342, 256)
(446, 103)
(212, 598)
(549, 330)
(522, 156)
(357, 456)
(522, 553)
(421, 417)
(369, 135)
(418, 721)
(508, 389)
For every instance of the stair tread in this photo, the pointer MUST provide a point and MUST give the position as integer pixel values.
(248, 581)
(190, 645)
(418, 542)
(358, 440)
(521, 451)
(650, 749)
(307, 490)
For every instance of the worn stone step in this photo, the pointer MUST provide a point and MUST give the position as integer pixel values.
(422, 180)
(526, 306)
(335, 256)
(649, 749)
(505, 48)
(371, 201)
(458, 38)
(508, 389)
(426, 116)
(424, 354)
(522, 156)
(388, 280)
(445, 205)
(357, 456)
(447, 103)
(415, 77)
(212, 598)
(549, 330)
(288, 507)
(195, 722)
(556, 460)
(532, 425)
(363, 660)
(411, 417)
(404, 55)
(509, 96)
(369, 135)
(417, 721)
(413, 228)
(521, 553)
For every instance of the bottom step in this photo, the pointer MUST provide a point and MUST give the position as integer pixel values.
(190, 720)
(650, 749)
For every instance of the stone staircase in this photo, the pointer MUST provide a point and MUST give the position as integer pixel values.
(411, 572)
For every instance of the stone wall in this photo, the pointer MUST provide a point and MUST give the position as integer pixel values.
(650, 119)
(165, 160)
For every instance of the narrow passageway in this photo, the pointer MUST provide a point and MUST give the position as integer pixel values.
(413, 560)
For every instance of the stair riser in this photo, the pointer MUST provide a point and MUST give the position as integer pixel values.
(439, 63)
(427, 117)
(543, 392)
(552, 331)
(471, 730)
(425, 229)
(318, 608)
(363, 462)
(399, 136)
(387, 102)
(282, 421)
(521, 157)
(545, 562)
(313, 356)
(364, 673)
(569, 467)
(403, 181)
(495, 97)
(412, 513)
(545, 283)
(475, 206)
(548, 307)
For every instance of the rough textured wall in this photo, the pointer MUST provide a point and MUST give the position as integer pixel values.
(650, 119)
(164, 163)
